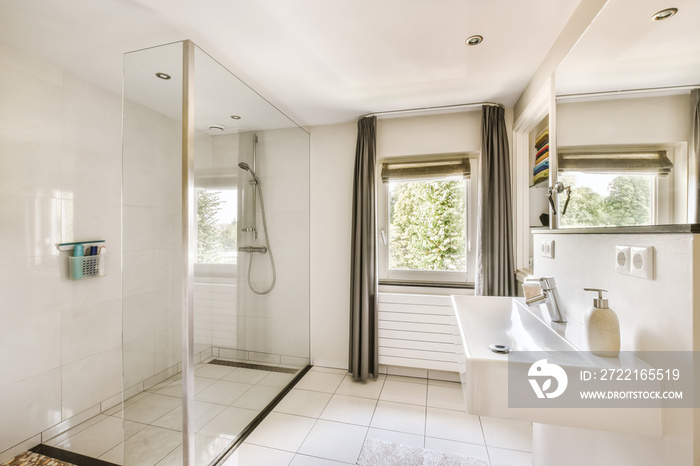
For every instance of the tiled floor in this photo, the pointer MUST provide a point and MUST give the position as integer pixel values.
(327, 417)
(324, 420)
(226, 400)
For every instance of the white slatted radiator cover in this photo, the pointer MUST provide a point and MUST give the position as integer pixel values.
(416, 331)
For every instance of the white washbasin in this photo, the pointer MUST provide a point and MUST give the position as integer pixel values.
(484, 321)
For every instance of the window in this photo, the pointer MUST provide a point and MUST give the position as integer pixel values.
(613, 188)
(425, 220)
(216, 225)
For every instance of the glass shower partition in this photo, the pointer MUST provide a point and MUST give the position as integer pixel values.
(206, 354)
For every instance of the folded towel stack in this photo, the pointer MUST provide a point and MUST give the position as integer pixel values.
(541, 170)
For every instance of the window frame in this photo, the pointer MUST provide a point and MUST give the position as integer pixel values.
(662, 191)
(426, 277)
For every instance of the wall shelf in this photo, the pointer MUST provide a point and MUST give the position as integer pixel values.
(70, 246)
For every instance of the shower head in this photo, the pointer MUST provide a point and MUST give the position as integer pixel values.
(246, 167)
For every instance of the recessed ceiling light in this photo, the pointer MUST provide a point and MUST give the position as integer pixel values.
(664, 14)
(474, 40)
(236, 117)
(216, 128)
(163, 75)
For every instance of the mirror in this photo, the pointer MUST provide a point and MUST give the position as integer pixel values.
(623, 117)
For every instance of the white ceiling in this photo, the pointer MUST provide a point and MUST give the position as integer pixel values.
(624, 49)
(320, 61)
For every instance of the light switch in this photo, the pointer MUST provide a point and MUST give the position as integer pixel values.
(642, 262)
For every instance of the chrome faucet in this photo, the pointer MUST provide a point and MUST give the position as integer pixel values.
(547, 295)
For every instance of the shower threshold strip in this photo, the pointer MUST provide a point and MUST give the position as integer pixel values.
(65, 458)
(258, 367)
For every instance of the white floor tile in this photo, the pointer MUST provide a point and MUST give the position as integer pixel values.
(330, 370)
(203, 413)
(446, 395)
(206, 449)
(502, 457)
(115, 455)
(244, 375)
(398, 437)
(282, 431)
(175, 388)
(400, 417)
(256, 398)
(335, 441)
(407, 379)
(320, 381)
(303, 403)
(453, 425)
(305, 460)
(400, 391)
(74, 430)
(255, 455)
(151, 407)
(223, 392)
(213, 371)
(229, 423)
(371, 388)
(349, 409)
(97, 439)
(461, 448)
(150, 445)
(504, 433)
(276, 380)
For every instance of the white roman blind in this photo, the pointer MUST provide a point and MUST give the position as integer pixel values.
(426, 168)
(653, 162)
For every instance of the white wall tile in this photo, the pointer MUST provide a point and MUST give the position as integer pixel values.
(90, 330)
(31, 226)
(138, 360)
(168, 348)
(28, 165)
(29, 347)
(137, 272)
(33, 405)
(88, 381)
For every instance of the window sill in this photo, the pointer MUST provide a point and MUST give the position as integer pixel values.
(422, 284)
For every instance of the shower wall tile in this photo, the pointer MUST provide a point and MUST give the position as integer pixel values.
(138, 268)
(138, 360)
(290, 337)
(138, 316)
(29, 286)
(31, 226)
(286, 193)
(29, 407)
(91, 380)
(30, 105)
(24, 357)
(168, 348)
(90, 330)
(29, 166)
(139, 227)
(60, 176)
(84, 174)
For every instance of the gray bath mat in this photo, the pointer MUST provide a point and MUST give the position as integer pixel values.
(377, 452)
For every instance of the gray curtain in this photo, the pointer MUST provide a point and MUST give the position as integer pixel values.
(695, 137)
(495, 269)
(364, 360)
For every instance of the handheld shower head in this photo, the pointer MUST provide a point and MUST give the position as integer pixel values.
(246, 167)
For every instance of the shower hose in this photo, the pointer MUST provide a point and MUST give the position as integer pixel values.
(269, 250)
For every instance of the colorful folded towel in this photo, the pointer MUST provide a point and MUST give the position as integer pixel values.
(541, 166)
(542, 151)
(543, 175)
(542, 138)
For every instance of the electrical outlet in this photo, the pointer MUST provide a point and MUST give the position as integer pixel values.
(622, 259)
(547, 248)
(642, 262)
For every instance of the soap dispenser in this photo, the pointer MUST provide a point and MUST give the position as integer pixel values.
(602, 327)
